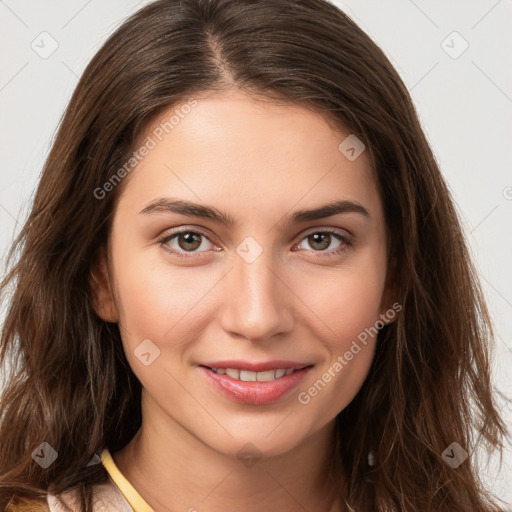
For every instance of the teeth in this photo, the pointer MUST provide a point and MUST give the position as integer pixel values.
(234, 374)
(248, 376)
(267, 375)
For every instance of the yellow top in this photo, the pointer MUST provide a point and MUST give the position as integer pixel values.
(136, 501)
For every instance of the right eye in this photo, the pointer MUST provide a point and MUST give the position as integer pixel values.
(184, 241)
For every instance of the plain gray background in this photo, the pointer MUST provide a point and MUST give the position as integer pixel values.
(454, 57)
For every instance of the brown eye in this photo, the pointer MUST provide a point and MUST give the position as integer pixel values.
(320, 241)
(189, 241)
(182, 242)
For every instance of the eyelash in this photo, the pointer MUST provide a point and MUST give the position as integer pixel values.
(346, 242)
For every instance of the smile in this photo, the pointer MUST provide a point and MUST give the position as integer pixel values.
(248, 376)
(254, 388)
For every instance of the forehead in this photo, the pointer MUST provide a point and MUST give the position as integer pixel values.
(250, 153)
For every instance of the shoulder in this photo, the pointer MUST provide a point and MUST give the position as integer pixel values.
(106, 498)
(64, 502)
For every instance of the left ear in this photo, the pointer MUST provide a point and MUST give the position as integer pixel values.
(101, 290)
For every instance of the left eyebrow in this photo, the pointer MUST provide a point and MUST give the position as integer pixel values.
(190, 209)
(328, 210)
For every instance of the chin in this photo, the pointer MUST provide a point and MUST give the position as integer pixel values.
(270, 440)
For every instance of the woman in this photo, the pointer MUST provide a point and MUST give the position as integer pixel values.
(177, 320)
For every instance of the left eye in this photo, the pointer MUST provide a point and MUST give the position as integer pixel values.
(323, 239)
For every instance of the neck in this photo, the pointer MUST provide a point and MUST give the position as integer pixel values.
(173, 470)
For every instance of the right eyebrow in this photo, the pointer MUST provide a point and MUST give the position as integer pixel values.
(189, 209)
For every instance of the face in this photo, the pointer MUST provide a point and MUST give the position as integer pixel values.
(246, 276)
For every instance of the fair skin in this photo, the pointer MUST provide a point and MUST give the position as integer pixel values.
(299, 300)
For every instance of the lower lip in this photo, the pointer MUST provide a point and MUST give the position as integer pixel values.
(255, 393)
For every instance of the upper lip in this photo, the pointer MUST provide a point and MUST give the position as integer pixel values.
(257, 367)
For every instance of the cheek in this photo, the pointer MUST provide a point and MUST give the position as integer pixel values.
(158, 310)
(157, 300)
(350, 345)
(346, 301)
(346, 309)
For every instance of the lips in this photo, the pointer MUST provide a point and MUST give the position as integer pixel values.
(240, 384)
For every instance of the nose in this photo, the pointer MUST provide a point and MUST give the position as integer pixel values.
(257, 302)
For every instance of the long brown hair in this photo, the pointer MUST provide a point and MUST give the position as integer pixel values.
(71, 385)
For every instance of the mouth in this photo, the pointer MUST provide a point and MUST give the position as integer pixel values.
(251, 376)
(251, 387)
